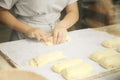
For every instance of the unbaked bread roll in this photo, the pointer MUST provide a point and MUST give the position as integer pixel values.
(76, 72)
(50, 42)
(111, 43)
(110, 62)
(46, 58)
(65, 64)
(98, 55)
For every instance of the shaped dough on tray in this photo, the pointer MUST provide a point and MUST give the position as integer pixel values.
(65, 64)
(76, 72)
(111, 43)
(110, 62)
(46, 58)
(98, 55)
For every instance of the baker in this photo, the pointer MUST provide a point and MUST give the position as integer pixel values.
(38, 18)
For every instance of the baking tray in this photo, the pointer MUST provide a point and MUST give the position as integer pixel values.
(82, 44)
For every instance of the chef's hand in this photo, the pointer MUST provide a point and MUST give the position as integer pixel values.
(37, 33)
(59, 34)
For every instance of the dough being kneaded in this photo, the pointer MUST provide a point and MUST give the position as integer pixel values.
(98, 55)
(46, 58)
(50, 42)
(111, 43)
(110, 62)
(65, 64)
(77, 72)
(118, 49)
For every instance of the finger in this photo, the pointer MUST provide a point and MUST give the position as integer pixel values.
(31, 35)
(63, 38)
(44, 37)
(60, 38)
(37, 36)
(48, 37)
(55, 35)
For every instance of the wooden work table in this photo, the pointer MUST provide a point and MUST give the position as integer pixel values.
(112, 29)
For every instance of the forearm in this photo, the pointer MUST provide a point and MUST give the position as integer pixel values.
(8, 19)
(70, 19)
(72, 16)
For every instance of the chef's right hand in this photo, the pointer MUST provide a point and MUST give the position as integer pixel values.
(37, 33)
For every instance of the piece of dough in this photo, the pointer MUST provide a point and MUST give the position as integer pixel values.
(97, 56)
(50, 42)
(111, 43)
(118, 49)
(76, 72)
(46, 58)
(65, 64)
(110, 62)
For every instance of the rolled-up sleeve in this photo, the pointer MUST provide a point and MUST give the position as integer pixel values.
(72, 1)
(7, 4)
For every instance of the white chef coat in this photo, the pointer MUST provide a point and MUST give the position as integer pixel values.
(37, 13)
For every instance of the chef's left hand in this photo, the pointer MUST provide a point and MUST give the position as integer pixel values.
(59, 34)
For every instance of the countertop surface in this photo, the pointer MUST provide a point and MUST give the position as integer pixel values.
(112, 29)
